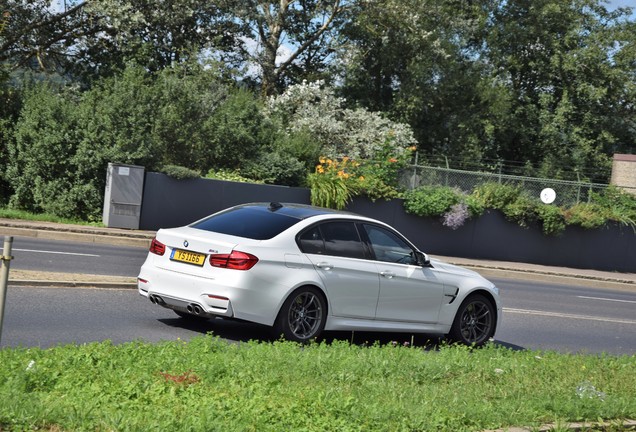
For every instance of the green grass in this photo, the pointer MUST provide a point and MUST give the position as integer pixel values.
(208, 384)
(41, 217)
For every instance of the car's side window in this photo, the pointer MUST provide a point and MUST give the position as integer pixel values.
(389, 247)
(339, 238)
(311, 241)
(342, 239)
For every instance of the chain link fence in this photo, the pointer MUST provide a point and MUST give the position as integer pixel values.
(568, 193)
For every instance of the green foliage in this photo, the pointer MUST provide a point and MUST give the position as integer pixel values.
(179, 173)
(332, 185)
(237, 129)
(210, 384)
(496, 195)
(587, 215)
(277, 168)
(436, 201)
(64, 139)
(552, 219)
(431, 201)
(380, 173)
(620, 204)
(10, 213)
(229, 175)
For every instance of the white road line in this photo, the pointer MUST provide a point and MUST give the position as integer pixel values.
(606, 299)
(55, 252)
(571, 316)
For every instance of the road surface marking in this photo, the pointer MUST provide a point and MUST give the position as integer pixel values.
(607, 299)
(571, 316)
(56, 252)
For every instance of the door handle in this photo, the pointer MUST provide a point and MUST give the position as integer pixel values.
(324, 266)
(387, 274)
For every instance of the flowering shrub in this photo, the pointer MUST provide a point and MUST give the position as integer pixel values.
(379, 175)
(456, 216)
(333, 183)
(314, 109)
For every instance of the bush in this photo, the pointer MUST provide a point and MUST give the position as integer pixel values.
(522, 210)
(620, 204)
(496, 195)
(551, 218)
(587, 215)
(276, 168)
(431, 201)
(229, 175)
(179, 173)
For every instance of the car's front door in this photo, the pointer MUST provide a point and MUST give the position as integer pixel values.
(341, 259)
(408, 291)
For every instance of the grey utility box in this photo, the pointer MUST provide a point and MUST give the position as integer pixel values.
(122, 200)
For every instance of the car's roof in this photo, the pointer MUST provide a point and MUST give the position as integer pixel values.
(298, 211)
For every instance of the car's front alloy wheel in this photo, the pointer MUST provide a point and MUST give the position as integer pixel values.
(303, 315)
(475, 321)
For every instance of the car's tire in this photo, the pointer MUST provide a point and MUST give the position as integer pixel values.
(475, 322)
(303, 315)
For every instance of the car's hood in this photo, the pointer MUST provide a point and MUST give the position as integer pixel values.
(455, 269)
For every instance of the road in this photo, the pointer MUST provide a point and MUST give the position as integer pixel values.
(72, 257)
(536, 316)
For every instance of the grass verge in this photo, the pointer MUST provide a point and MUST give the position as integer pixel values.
(208, 384)
(42, 217)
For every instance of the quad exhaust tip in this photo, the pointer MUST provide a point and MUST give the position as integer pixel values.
(194, 308)
(155, 299)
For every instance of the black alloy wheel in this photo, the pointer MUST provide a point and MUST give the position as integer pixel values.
(303, 315)
(475, 321)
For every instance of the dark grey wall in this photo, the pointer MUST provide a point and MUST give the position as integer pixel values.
(169, 203)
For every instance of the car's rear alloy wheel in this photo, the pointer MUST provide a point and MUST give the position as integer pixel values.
(475, 321)
(303, 315)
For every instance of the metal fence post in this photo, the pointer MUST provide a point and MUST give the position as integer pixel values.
(4, 276)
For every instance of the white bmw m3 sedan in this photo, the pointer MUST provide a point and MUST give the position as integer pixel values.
(303, 270)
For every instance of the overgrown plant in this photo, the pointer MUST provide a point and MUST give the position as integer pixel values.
(180, 172)
(432, 201)
(455, 207)
(332, 184)
(229, 175)
(379, 175)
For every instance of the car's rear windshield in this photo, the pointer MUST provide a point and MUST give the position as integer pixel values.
(256, 223)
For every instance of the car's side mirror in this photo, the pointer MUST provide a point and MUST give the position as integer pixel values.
(422, 259)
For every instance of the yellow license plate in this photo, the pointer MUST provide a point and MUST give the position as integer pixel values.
(187, 257)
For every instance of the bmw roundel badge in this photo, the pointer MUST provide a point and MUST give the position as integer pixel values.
(185, 243)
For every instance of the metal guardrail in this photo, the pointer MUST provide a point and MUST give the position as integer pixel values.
(567, 192)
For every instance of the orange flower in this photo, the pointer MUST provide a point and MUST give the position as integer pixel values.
(393, 160)
(320, 169)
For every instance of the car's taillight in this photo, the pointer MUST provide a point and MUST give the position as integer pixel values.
(156, 247)
(235, 260)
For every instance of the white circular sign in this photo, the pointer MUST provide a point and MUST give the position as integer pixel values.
(548, 195)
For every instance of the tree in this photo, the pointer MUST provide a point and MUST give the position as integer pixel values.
(420, 62)
(303, 26)
(64, 139)
(568, 68)
(35, 36)
(544, 82)
(96, 38)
